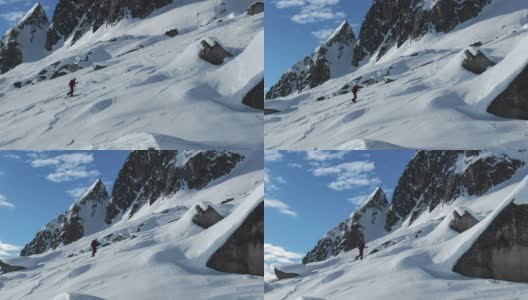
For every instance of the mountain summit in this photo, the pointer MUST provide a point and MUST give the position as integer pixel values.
(333, 58)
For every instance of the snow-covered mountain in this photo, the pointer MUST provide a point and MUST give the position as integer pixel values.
(84, 217)
(450, 72)
(330, 60)
(365, 223)
(184, 74)
(436, 254)
(158, 246)
(25, 41)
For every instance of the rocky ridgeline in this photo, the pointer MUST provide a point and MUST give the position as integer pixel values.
(365, 224)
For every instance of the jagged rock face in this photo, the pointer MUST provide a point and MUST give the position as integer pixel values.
(462, 223)
(148, 175)
(438, 177)
(255, 97)
(29, 32)
(72, 225)
(389, 24)
(77, 17)
(5, 268)
(332, 58)
(478, 63)
(365, 224)
(513, 102)
(501, 250)
(243, 252)
(206, 218)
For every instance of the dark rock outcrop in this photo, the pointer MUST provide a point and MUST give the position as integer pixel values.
(500, 251)
(172, 33)
(513, 102)
(316, 69)
(478, 63)
(389, 24)
(243, 253)
(256, 8)
(348, 235)
(283, 275)
(462, 223)
(439, 177)
(69, 227)
(74, 18)
(206, 218)
(215, 54)
(255, 97)
(5, 268)
(148, 175)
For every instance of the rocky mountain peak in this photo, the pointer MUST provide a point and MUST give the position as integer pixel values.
(344, 34)
(36, 16)
(95, 194)
(364, 224)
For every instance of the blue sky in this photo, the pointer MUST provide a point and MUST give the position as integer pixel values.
(35, 187)
(308, 193)
(12, 10)
(294, 28)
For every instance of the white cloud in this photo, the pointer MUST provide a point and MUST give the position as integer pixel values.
(295, 165)
(311, 11)
(13, 156)
(272, 155)
(358, 200)
(76, 193)
(322, 34)
(8, 249)
(275, 256)
(12, 16)
(5, 203)
(321, 156)
(67, 167)
(280, 206)
(271, 183)
(349, 175)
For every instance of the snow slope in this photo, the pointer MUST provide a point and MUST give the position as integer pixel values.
(162, 255)
(413, 262)
(154, 92)
(433, 103)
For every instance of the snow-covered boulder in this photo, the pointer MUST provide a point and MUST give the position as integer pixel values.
(215, 54)
(477, 63)
(206, 218)
(365, 224)
(461, 223)
(500, 251)
(243, 252)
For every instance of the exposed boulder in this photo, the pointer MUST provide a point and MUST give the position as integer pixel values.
(255, 97)
(462, 223)
(500, 251)
(477, 63)
(172, 33)
(215, 54)
(256, 8)
(243, 253)
(206, 218)
(269, 111)
(513, 102)
(5, 268)
(283, 275)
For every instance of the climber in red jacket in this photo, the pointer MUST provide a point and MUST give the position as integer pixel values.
(355, 89)
(72, 84)
(361, 247)
(94, 247)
